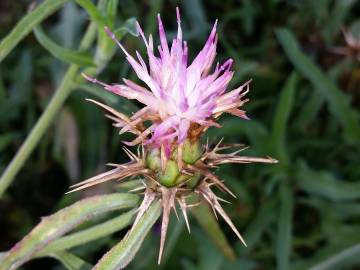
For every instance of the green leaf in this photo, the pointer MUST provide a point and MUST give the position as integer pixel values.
(209, 257)
(27, 23)
(123, 253)
(339, 259)
(70, 261)
(284, 233)
(63, 54)
(90, 234)
(263, 219)
(129, 26)
(281, 118)
(338, 255)
(111, 11)
(232, 128)
(93, 12)
(337, 100)
(309, 110)
(58, 224)
(325, 184)
(208, 222)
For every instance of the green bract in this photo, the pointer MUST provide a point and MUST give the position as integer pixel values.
(169, 175)
(153, 160)
(192, 152)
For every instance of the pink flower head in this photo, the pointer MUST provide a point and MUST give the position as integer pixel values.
(177, 95)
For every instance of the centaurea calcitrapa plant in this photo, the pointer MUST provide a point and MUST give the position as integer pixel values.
(181, 102)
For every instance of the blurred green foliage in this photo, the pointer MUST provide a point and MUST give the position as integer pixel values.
(303, 213)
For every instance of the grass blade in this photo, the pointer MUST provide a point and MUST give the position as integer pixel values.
(337, 100)
(263, 219)
(27, 23)
(208, 222)
(325, 184)
(58, 224)
(123, 253)
(284, 233)
(63, 54)
(335, 261)
(281, 118)
(309, 111)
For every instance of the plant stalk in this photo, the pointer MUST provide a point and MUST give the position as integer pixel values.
(47, 116)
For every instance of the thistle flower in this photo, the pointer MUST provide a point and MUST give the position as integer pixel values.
(181, 101)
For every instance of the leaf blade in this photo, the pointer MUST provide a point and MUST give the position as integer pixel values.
(337, 100)
(208, 222)
(284, 234)
(63, 54)
(58, 224)
(338, 258)
(282, 115)
(325, 184)
(28, 22)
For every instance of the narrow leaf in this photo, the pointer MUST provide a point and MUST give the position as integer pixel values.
(123, 253)
(63, 54)
(27, 23)
(263, 219)
(70, 261)
(93, 12)
(337, 100)
(284, 233)
(208, 222)
(325, 184)
(339, 258)
(309, 110)
(333, 256)
(281, 118)
(58, 224)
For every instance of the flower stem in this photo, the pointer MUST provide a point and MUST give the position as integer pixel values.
(47, 116)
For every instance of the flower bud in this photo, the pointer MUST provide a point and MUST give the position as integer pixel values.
(153, 161)
(191, 152)
(168, 176)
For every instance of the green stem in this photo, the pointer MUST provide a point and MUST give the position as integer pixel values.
(90, 234)
(123, 253)
(47, 117)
